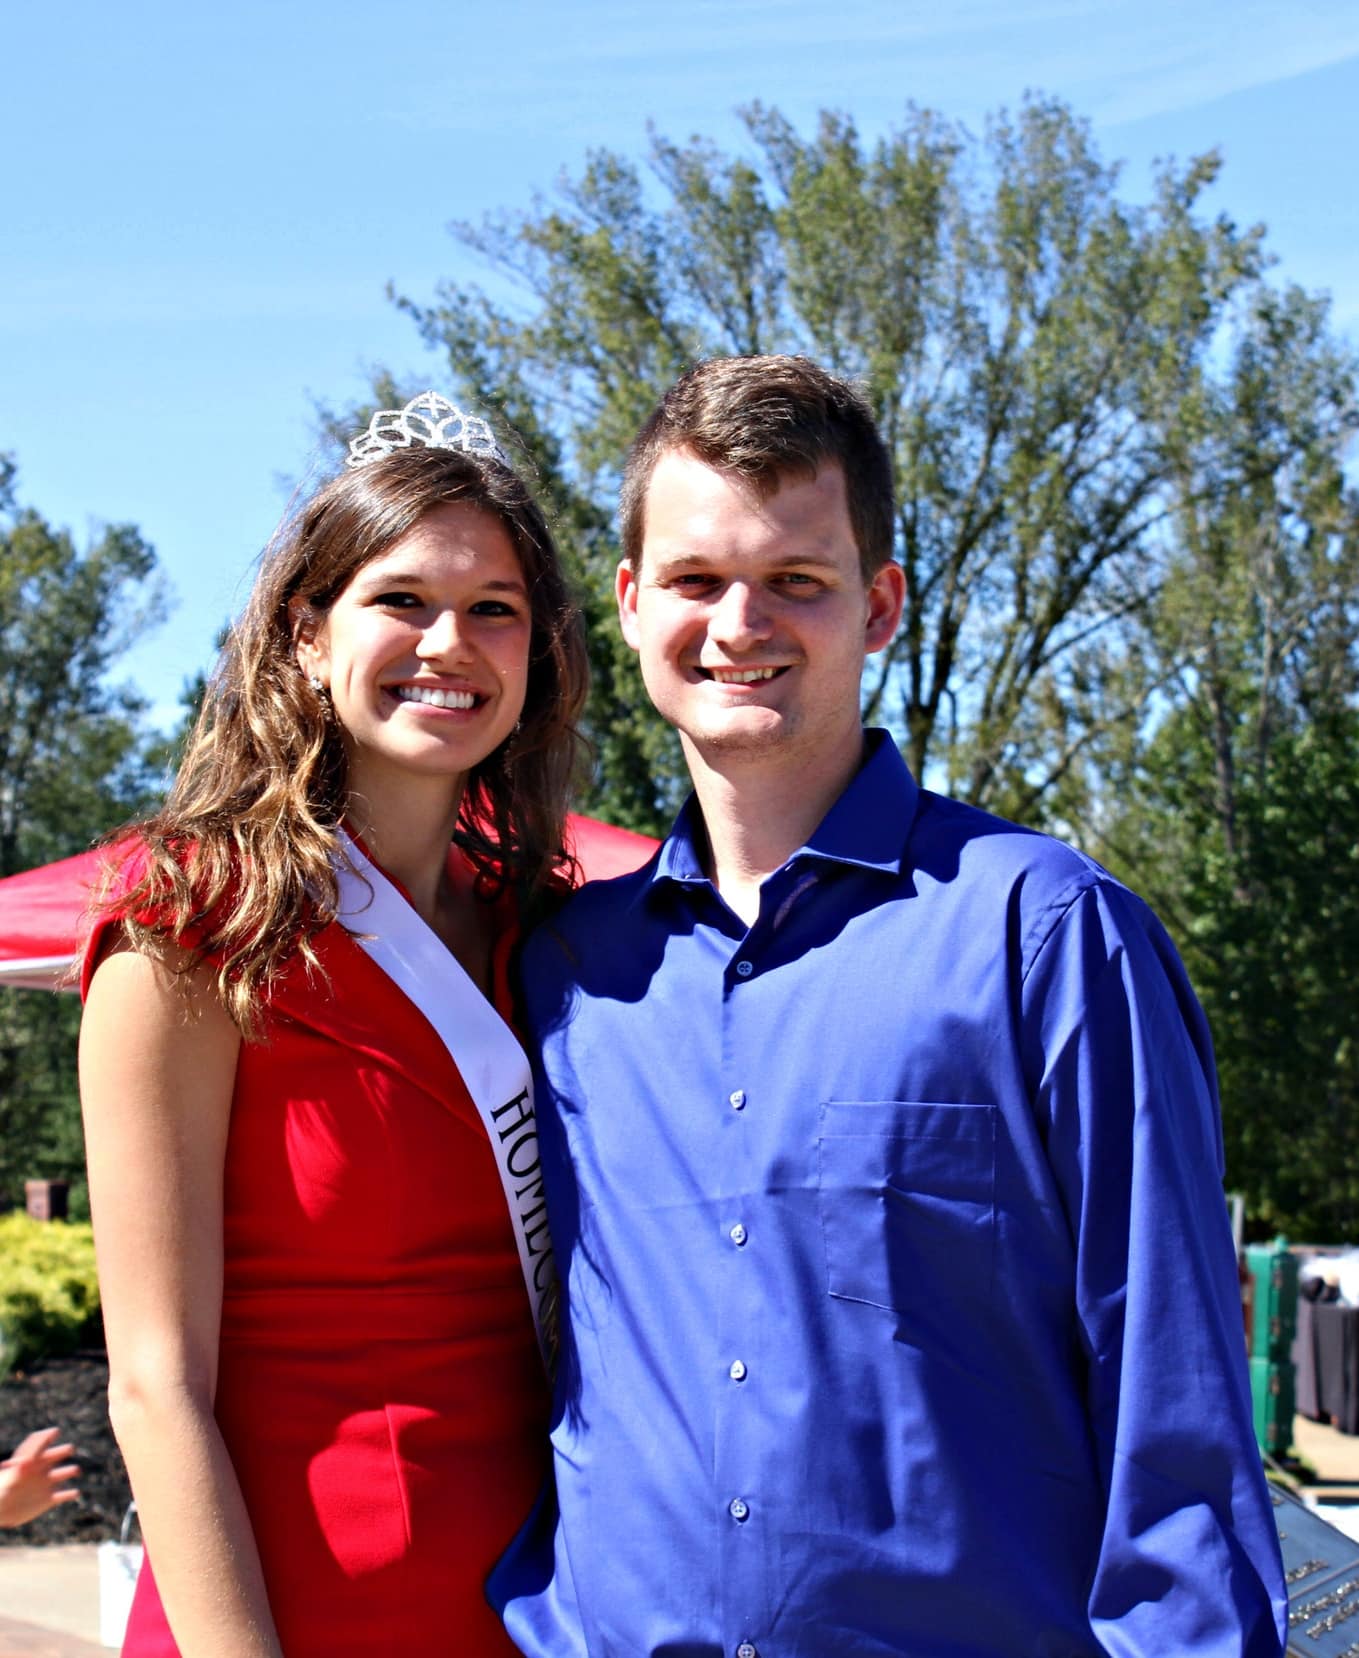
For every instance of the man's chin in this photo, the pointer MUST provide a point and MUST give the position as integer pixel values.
(752, 731)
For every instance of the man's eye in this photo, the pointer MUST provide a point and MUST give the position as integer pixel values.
(798, 580)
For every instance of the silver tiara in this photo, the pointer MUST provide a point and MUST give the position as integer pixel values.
(428, 421)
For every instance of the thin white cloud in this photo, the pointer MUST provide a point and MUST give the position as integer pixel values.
(1182, 64)
(583, 70)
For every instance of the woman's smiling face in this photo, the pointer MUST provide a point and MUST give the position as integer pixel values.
(425, 652)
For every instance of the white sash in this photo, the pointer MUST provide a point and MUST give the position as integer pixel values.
(485, 1050)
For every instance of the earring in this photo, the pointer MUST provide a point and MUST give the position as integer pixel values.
(318, 685)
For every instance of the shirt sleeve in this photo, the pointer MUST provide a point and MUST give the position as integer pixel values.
(123, 867)
(1122, 1067)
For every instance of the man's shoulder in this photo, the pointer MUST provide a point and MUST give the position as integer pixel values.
(951, 837)
(1000, 872)
(590, 918)
(595, 901)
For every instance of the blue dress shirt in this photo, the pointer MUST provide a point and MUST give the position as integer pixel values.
(903, 1315)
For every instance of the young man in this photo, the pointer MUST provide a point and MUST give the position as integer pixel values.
(882, 1150)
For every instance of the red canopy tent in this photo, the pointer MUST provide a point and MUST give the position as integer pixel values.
(42, 910)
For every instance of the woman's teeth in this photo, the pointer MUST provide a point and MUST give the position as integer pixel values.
(435, 697)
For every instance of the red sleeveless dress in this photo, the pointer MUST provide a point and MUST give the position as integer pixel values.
(380, 1388)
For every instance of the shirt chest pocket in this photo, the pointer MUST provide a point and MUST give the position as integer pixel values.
(907, 1197)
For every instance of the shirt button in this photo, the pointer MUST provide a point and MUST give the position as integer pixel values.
(737, 1100)
(738, 1508)
(738, 1234)
(737, 1371)
(745, 1650)
(745, 968)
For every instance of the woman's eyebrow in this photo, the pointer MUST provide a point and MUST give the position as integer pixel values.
(378, 579)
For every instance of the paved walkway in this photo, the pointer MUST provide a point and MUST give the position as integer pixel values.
(49, 1602)
(29, 1640)
(1334, 1456)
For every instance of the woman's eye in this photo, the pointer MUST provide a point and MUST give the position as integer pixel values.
(494, 607)
(398, 599)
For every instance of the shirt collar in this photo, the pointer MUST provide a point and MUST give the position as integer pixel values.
(868, 825)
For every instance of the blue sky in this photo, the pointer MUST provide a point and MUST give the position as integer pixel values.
(203, 207)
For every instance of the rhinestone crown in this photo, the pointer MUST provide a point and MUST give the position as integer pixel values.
(428, 421)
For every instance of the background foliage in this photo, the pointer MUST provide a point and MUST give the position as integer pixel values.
(49, 1292)
(75, 760)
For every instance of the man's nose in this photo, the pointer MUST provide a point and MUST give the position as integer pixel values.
(741, 617)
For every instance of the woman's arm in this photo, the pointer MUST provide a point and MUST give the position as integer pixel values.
(156, 1075)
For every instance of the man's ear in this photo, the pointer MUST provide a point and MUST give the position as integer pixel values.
(886, 596)
(625, 591)
(308, 639)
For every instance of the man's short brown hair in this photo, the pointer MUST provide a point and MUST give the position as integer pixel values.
(766, 419)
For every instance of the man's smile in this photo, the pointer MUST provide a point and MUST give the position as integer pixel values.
(741, 676)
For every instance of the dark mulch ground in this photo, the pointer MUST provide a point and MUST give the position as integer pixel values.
(70, 1394)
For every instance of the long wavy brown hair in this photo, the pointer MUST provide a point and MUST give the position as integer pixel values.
(238, 867)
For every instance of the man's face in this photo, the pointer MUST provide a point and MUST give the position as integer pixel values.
(751, 618)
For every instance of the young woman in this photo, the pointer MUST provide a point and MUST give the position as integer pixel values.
(309, 1131)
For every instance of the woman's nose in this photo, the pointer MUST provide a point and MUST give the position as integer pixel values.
(445, 639)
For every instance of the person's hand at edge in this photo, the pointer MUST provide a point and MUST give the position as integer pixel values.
(35, 1478)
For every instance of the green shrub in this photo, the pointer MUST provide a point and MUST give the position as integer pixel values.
(49, 1294)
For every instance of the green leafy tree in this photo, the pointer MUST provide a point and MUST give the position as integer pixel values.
(1023, 333)
(74, 761)
(1269, 928)
(1237, 807)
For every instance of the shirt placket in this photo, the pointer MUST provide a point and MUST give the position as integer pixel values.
(745, 1369)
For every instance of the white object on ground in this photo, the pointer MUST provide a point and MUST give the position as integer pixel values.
(119, 1564)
